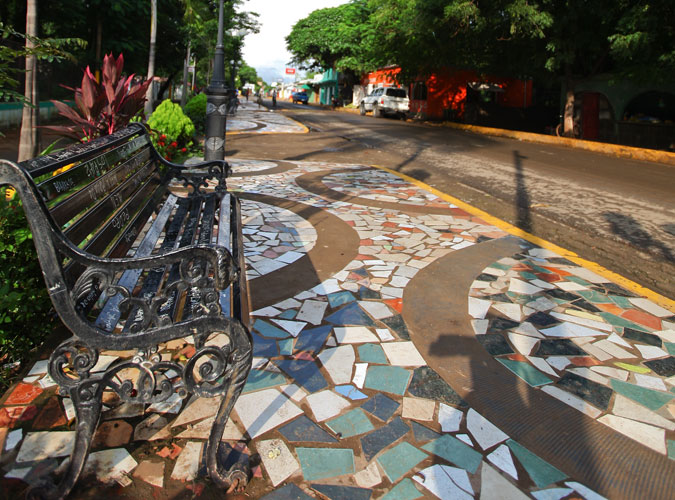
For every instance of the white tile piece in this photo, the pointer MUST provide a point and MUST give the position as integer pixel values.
(419, 409)
(39, 367)
(202, 430)
(569, 330)
(13, 438)
(312, 311)
(465, 438)
(449, 418)
(292, 327)
(289, 304)
(47, 381)
(172, 404)
(650, 351)
(403, 354)
(31, 379)
(493, 271)
(264, 410)
(483, 431)
(648, 435)
(552, 493)
(542, 304)
(494, 486)
(294, 392)
(69, 408)
(570, 286)
(150, 471)
(438, 482)
(618, 340)
(613, 349)
(187, 463)
(572, 400)
(339, 363)
(104, 361)
(627, 408)
(368, 477)
(650, 307)
(609, 371)
(480, 326)
(522, 287)
(598, 325)
(543, 253)
(542, 284)
(528, 329)
(327, 287)
(326, 404)
(290, 257)
(384, 334)
(478, 308)
(512, 311)
(278, 460)
(377, 310)
(667, 335)
(501, 458)
(267, 312)
(558, 362)
(18, 473)
(41, 445)
(542, 365)
(523, 343)
(307, 294)
(590, 375)
(360, 370)
(198, 408)
(354, 335)
(650, 382)
(109, 465)
(586, 274)
(585, 491)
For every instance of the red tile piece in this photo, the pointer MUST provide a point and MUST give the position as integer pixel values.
(549, 278)
(396, 304)
(50, 416)
(23, 394)
(556, 270)
(585, 361)
(610, 308)
(517, 357)
(643, 318)
(304, 355)
(10, 416)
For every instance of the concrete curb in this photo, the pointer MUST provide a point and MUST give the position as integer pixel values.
(617, 150)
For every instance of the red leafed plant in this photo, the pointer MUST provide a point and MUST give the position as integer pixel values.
(103, 107)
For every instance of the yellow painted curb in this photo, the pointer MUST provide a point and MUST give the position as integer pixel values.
(617, 150)
(511, 229)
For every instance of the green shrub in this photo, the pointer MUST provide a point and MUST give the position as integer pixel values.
(196, 111)
(173, 130)
(25, 308)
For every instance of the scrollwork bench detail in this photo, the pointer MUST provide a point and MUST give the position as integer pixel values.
(137, 251)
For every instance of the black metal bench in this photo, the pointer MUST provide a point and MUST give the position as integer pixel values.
(130, 264)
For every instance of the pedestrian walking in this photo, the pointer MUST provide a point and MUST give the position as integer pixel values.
(274, 98)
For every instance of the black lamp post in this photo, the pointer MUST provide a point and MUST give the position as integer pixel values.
(217, 95)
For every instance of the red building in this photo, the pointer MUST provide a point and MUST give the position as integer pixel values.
(451, 94)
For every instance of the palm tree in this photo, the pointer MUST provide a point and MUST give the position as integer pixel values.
(29, 146)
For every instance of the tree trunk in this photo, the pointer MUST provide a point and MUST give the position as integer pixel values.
(151, 60)
(183, 96)
(29, 142)
(568, 114)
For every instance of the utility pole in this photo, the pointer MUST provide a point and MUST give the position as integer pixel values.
(217, 95)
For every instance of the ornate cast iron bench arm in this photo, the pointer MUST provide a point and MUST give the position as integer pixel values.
(129, 265)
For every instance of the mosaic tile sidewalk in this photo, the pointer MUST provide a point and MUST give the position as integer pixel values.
(252, 118)
(340, 403)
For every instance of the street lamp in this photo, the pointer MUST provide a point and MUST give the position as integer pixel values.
(217, 95)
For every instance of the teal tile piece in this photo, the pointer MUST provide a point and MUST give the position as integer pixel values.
(622, 302)
(261, 379)
(671, 449)
(372, 353)
(541, 472)
(539, 269)
(286, 347)
(405, 490)
(352, 423)
(321, 463)
(647, 397)
(268, 330)
(519, 298)
(340, 298)
(288, 314)
(619, 321)
(670, 347)
(497, 265)
(577, 279)
(526, 371)
(399, 460)
(392, 379)
(528, 275)
(455, 451)
(593, 296)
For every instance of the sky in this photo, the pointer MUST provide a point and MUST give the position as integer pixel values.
(266, 51)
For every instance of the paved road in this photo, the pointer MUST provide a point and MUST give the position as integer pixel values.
(619, 213)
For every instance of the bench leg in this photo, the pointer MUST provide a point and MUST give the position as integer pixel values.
(88, 405)
(237, 477)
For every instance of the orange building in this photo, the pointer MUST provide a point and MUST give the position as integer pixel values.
(448, 93)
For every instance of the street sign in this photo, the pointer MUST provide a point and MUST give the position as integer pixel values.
(290, 71)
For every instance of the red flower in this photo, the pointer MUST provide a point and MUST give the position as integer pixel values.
(183, 150)
(167, 157)
(163, 136)
(174, 144)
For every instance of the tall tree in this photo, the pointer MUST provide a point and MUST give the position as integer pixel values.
(151, 59)
(29, 142)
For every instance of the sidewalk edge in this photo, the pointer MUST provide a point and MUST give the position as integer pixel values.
(568, 254)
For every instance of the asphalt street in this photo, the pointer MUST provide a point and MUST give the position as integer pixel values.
(619, 213)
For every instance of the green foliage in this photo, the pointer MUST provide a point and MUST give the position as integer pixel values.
(173, 129)
(25, 319)
(195, 109)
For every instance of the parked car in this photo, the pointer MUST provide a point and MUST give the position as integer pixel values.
(386, 101)
(300, 97)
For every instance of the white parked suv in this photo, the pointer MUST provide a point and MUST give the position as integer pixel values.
(385, 101)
